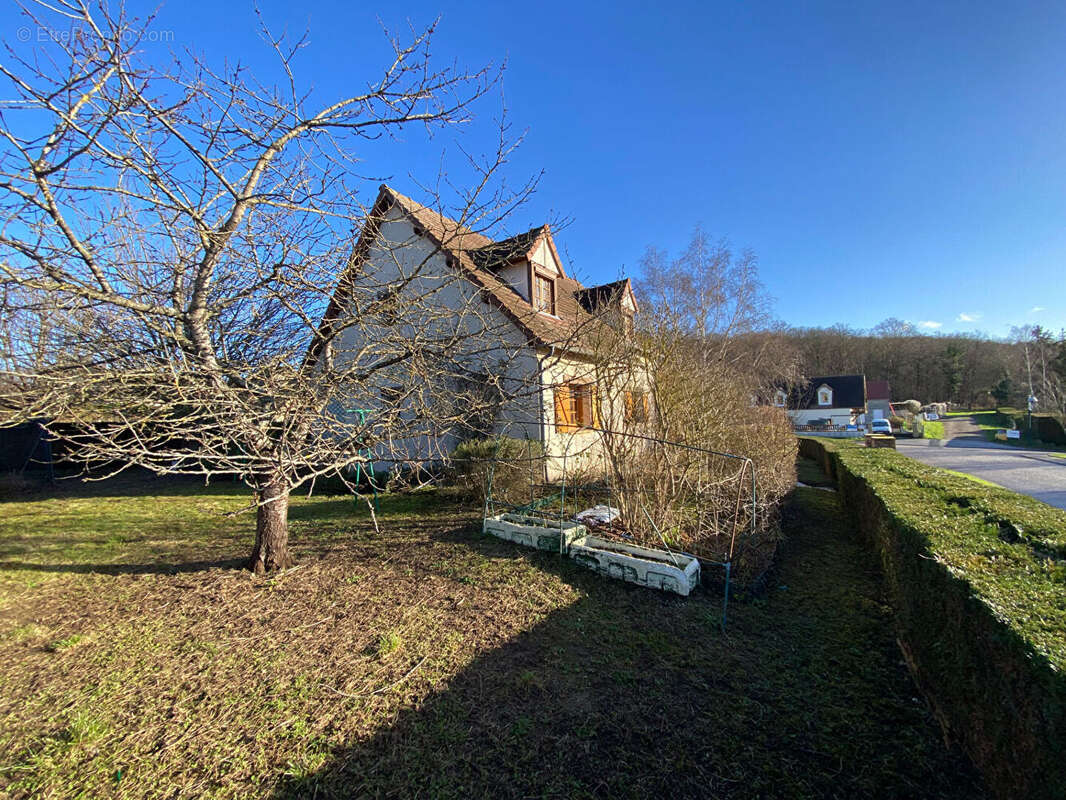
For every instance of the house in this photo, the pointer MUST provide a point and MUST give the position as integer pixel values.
(879, 400)
(832, 400)
(538, 315)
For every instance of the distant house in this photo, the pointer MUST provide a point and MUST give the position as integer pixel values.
(879, 399)
(838, 400)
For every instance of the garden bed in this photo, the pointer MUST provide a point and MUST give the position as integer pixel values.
(539, 532)
(656, 569)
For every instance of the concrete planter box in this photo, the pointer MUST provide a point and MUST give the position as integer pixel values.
(537, 532)
(656, 569)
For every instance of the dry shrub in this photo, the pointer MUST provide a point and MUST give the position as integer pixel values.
(677, 493)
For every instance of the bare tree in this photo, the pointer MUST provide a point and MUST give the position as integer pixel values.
(172, 237)
(1044, 359)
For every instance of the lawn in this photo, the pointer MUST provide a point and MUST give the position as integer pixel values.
(137, 660)
(933, 430)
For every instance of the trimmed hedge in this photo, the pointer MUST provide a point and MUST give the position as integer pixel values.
(977, 580)
(1046, 427)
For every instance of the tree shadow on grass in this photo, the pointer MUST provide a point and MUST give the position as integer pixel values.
(127, 569)
(128, 484)
(629, 692)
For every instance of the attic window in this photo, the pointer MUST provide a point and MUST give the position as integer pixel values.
(779, 398)
(543, 294)
(825, 395)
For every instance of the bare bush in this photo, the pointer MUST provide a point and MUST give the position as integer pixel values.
(694, 344)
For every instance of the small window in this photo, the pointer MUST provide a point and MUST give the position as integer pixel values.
(825, 395)
(780, 398)
(575, 407)
(543, 294)
(636, 409)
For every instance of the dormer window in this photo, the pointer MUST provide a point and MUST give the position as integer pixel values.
(825, 395)
(543, 293)
(779, 398)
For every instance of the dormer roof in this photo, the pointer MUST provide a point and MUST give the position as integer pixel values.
(480, 258)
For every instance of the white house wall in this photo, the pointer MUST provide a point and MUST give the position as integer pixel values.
(838, 416)
(503, 344)
(517, 275)
(582, 450)
(543, 259)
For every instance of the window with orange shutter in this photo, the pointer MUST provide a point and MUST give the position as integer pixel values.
(576, 407)
(636, 407)
(564, 410)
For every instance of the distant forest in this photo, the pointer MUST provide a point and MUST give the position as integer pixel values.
(969, 369)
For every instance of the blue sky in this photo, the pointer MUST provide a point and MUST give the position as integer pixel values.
(883, 159)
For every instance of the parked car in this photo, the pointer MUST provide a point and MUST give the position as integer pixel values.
(881, 426)
(931, 416)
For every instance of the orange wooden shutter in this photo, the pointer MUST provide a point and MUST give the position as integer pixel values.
(629, 406)
(594, 398)
(563, 418)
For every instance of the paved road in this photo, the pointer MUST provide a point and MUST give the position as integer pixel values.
(1030, 472)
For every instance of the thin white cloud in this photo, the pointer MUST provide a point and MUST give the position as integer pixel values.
(968, 316)
(1036, 309)
(929, 325)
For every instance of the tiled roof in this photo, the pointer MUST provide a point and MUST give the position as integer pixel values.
(480, 256)
(595, 297)
(878, 390)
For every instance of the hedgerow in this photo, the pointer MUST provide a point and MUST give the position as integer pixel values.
(977, 579)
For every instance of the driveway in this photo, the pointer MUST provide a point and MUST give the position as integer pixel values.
(1032, 472)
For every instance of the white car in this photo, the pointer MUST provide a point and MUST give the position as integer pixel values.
(881, 426)
(931, 416)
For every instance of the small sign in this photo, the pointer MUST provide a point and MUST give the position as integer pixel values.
(1014, 434)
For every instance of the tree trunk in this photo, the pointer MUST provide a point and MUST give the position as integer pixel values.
(271, 529)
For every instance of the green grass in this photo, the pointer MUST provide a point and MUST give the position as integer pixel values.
(968, 477)
(1010, 547)
(933, 430)
(138, 660)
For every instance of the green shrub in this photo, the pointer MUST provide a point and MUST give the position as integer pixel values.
(510, 464)
(1045, 427)
(977, 580)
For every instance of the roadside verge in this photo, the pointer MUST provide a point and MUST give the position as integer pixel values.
(976, 576)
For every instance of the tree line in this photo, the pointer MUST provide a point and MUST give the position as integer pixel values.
(971, 369)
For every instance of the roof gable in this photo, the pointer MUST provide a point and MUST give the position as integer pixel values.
(479, 258)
